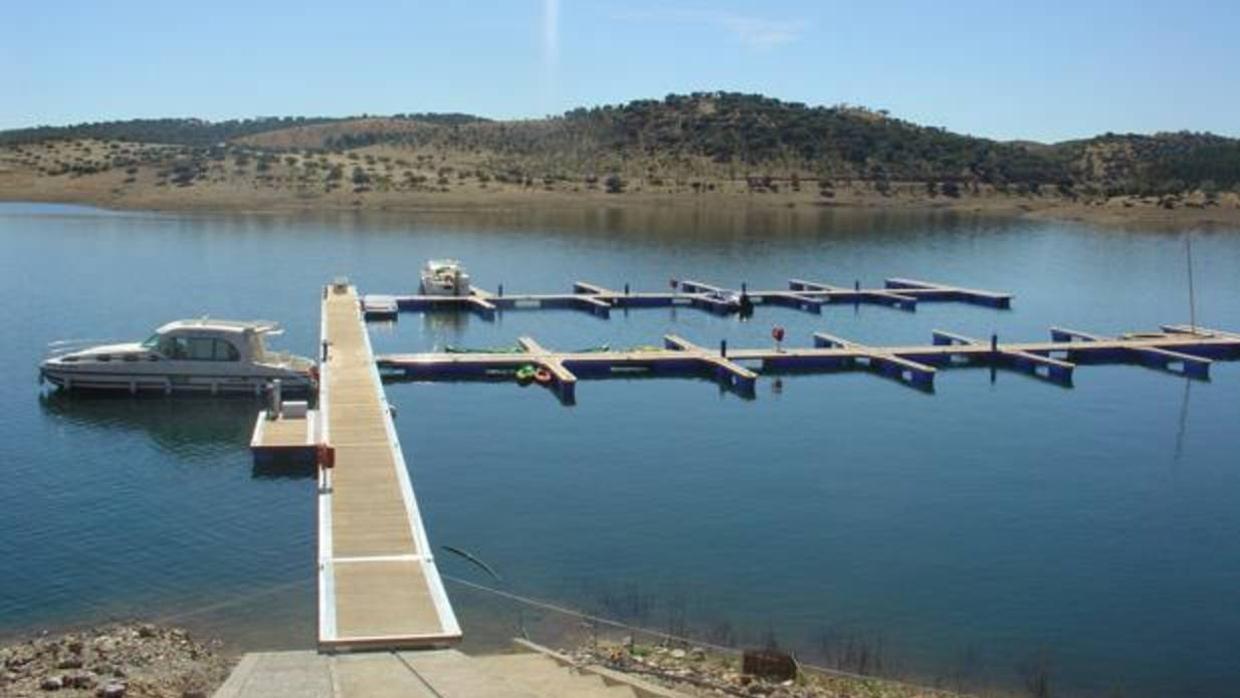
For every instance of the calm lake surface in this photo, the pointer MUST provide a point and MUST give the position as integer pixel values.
(978, 531)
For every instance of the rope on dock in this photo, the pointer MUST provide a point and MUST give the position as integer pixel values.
(548, 606)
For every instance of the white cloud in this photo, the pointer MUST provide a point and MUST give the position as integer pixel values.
(753, 32)
(756, 32)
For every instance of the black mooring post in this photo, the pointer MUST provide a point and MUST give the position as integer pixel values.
(723, 348)
(626, 288)
(744, 288)
(501, 290)
(857, 285)
(994, 344)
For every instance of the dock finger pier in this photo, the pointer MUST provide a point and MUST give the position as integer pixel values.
(378, 584)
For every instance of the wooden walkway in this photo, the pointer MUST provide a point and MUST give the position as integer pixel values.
(807, 296)
(378, 584)
(1176, 349)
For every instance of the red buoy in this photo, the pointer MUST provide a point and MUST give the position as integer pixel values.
(777, 333)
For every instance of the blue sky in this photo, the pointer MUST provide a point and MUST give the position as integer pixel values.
(1044, 71)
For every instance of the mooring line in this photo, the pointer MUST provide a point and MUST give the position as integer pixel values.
(236, 601)
(546, 605)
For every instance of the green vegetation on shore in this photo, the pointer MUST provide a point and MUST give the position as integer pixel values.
(724, 136)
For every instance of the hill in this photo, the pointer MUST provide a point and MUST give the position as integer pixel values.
(716, 142)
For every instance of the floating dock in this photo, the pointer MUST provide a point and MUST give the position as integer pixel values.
(379, 587)
(285, 437)
(807, 296)
(1176, 349)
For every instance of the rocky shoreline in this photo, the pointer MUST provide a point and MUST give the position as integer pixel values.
(120, 660)
(697, 672)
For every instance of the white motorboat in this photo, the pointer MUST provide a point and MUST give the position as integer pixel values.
(205, 355)
(444, 277)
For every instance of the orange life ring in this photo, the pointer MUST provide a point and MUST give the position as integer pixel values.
(542, 376)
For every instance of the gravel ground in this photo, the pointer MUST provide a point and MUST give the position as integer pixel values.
(127, 659)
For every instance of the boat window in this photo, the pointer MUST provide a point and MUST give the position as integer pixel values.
(225, 351)
(152, 342)
(174, 347)
(201, 349)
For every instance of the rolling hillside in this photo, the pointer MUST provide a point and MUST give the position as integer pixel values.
(720, 135)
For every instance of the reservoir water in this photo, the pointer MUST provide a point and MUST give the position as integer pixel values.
(995, 526)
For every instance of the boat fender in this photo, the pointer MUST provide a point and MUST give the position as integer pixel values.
(326, 455)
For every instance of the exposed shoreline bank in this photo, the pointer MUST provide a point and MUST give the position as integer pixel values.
(131, 660)
(1116, 212)
(142, 660)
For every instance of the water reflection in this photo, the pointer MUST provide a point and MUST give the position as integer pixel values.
(284, 468)
(191, 428)
(1182, 422)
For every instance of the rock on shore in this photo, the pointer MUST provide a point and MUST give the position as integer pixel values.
(697, 672)
(114, 661)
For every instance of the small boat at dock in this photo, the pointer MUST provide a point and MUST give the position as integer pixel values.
(445, 277)
(203, 355)
(731, 301)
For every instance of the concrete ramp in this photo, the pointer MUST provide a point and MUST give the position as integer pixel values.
(428, 674)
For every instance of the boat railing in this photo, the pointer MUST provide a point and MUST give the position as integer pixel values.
(62, 347)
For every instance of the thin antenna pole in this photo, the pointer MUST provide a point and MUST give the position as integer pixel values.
(1192, 299)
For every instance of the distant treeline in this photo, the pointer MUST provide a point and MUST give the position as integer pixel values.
(743, 135)
(752, 135)
(195, 132)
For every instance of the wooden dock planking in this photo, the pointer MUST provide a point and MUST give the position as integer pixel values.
(379, 307)
(1038, 365)
(595, 289)
(285, 432)
(944, 338)
(286, 440)
(814, 286)
(795, 300)
(1174, 361)
(888, 363)
(828, 293)
(807, 296)
(600, 308)
(727, 372)
(563, 380)
(1063, 334)
(1153, 357)
(378, 584)
(912, 365)
(928, 290)
(840, 294)
(891, 298)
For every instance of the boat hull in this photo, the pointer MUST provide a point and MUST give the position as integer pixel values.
(253, 384)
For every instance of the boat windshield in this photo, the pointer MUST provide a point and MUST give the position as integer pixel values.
(151, 342)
